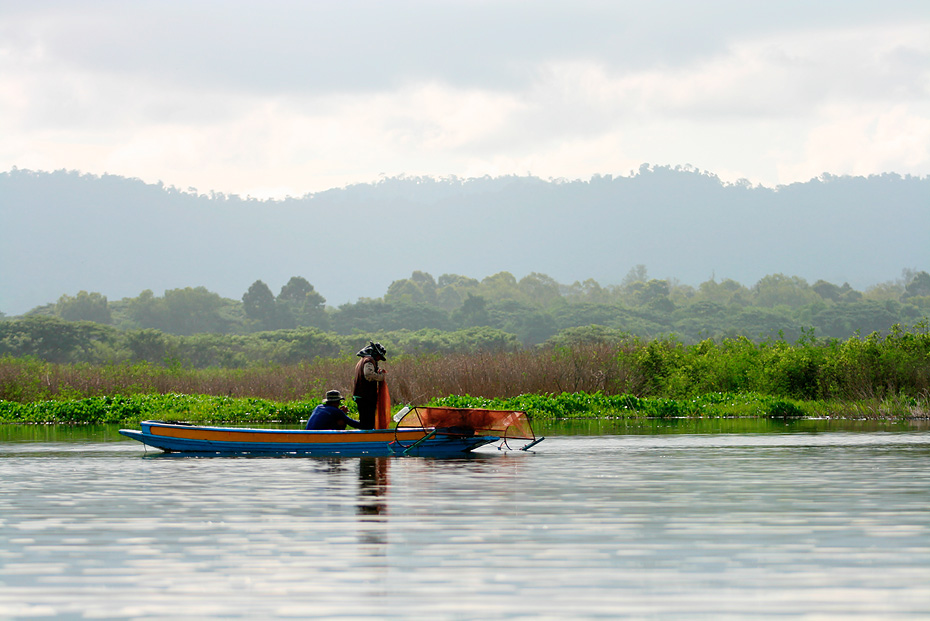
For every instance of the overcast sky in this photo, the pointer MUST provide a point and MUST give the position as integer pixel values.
(273, 98)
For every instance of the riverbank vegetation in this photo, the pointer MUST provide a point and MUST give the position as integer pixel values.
(565, 406)
(588, 372)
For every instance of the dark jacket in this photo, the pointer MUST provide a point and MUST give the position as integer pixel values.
(365, 389)
(326, 416)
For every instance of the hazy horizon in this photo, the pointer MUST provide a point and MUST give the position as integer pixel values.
(66, 232)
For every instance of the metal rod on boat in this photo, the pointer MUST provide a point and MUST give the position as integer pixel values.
(420, 441)
(532, 444)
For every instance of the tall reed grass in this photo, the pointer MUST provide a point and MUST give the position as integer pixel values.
(874, 369)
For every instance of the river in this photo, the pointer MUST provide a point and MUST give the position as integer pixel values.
(667, 521)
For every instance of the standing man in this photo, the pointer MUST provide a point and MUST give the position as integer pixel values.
(369, 381)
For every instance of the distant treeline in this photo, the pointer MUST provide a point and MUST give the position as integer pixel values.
(681, 222)
(420, 314)
(56, 340)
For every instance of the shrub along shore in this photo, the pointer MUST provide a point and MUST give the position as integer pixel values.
(873, 377)
(204, 409)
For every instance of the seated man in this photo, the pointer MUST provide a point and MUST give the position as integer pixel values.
(331, 414)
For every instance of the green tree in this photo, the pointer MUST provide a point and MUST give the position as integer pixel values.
(427, 285)
(56, 340)
(780, 290)
(362, 317)
(259, 305)
(919, 285)
(844, 320)
(452, 289)
(500, 286)
(299, 304)
(701, 320)
(84, 307)
(297, 289)
(578, 315)
(457, 280)
(587, 291)
(540, 289)
(405, 316)
(194, 310)
(147, 345)
(190, 310)
(301, 345)
(147, 311)
(420, 288)
(885, 291)
(654, 291)
(829, 291)
(726, 292)
(635, 275)
(528, 323)
(403, 291)
(763, 323)
(473, 312)
(588, 335)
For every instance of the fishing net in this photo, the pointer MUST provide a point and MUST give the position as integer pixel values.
(507, 424)
(383, 410)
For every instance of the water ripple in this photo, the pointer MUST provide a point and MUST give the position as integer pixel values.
(819, 525)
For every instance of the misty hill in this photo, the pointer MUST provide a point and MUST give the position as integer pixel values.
(63, 232)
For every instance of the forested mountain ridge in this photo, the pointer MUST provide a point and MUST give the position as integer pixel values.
(63, 232)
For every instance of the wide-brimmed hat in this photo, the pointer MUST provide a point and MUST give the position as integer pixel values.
(334, 396)
(375, 350)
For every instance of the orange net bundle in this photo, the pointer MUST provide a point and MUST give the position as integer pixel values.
(511, 424)
(383, 410)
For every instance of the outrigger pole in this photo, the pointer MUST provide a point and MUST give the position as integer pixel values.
(532, 444)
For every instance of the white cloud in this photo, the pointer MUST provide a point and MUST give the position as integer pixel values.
(297, 99)
(862, 143)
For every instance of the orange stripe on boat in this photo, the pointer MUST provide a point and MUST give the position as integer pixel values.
(227, 435)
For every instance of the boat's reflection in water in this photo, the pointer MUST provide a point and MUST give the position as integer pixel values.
(373, 485)
(371, 510)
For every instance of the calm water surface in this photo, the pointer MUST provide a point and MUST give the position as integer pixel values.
(638, 525)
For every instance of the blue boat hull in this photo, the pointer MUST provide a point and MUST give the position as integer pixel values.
(201, 440)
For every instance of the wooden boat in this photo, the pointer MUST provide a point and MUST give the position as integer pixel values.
(424, 431)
